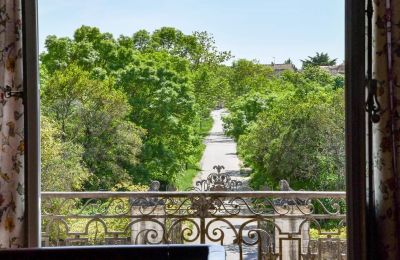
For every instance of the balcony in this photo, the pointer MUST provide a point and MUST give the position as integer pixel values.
(250, 224)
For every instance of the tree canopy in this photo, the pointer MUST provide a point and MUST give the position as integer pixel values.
(291, 127)
(118, 112)
(133, 105)
(319, 59)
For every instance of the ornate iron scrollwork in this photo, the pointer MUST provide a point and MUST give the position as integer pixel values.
(218, 181)
(243, 222)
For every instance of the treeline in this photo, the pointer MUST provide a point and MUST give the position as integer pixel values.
(289, 126)
(121, 112)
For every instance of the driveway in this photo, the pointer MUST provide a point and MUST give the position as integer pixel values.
(220, 150)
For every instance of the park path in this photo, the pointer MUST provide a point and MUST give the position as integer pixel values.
(221, 150)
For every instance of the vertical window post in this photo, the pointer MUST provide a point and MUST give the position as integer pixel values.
(355, 96)
(32, 123)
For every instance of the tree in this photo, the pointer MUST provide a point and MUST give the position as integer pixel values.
(62, 168)
(58, 53)
(141, 40)
(162, 99)
(248, 75)
(243, 112)
(93, 114)
(207, 52)
(288, 61)
(292, 128)
(301, 140)
(211, 86)
(134, 103)
(320, 59)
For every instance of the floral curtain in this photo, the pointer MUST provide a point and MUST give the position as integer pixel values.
(11, 126)
(386, 68)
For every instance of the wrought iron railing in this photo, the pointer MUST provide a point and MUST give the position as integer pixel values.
(251, 224)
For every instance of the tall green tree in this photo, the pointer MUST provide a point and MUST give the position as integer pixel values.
(94, 115)
(319, 59)
(161, 90)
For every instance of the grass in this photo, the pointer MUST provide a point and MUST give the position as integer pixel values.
(314, 233)
(185, 179)
(205, 126)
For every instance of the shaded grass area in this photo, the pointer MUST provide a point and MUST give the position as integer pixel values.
(315, 234)
(185, 179)
(206, 126)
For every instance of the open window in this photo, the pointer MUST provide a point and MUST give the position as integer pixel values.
(199, 210)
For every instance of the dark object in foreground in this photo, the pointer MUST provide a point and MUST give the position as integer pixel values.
(136, 252)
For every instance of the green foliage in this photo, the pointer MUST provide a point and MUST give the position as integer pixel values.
(184, 179)
(248, 75)
(211, 86)
(316, 233)
(320, 59)
(206, 51)
(160, 89)
(302, 143)
(206, 125)
(243, 112)
(134, 104)
(252, 86)
(127, 110)
(292, 128)
(94, 227)
(141, 40)
(62, 168)
(93, 114)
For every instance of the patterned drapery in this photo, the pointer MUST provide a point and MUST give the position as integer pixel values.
(386, 68)
(12, 126)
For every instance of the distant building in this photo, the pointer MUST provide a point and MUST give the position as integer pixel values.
(279, 68)
(335, 69)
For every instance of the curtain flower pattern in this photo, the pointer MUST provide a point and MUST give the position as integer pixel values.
(11, 127)
(386, 42)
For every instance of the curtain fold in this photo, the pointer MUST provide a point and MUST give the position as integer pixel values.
(386, 70)
(12, 126)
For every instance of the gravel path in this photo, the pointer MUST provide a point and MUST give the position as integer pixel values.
(220, 150)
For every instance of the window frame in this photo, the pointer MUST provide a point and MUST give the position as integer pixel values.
(31, 122)
(355, 118)
(355, 125)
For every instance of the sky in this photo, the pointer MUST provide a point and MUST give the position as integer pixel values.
(265, 30)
